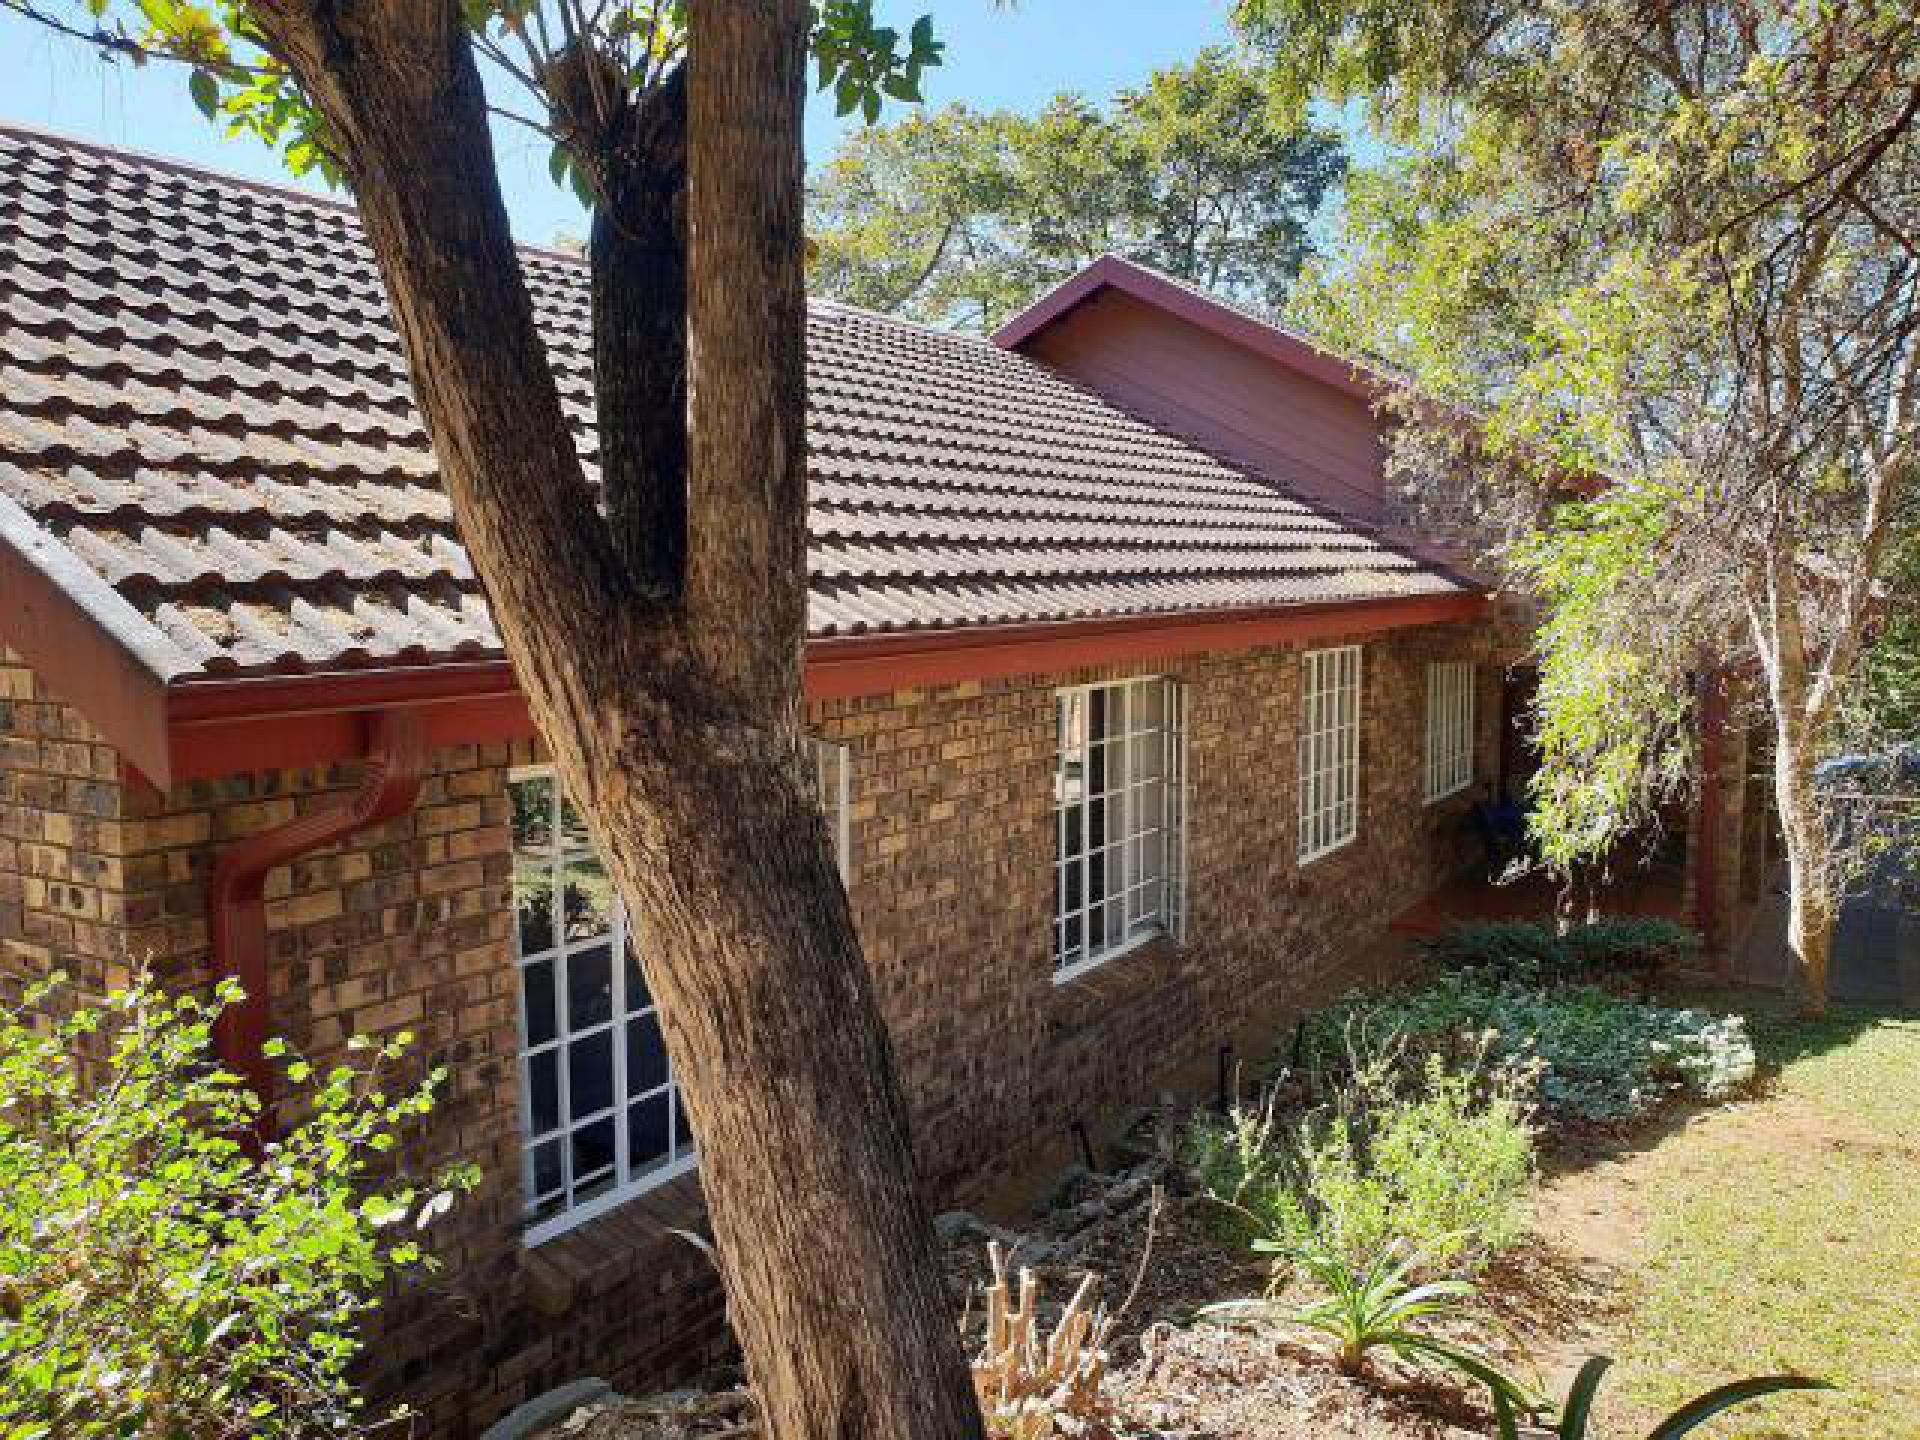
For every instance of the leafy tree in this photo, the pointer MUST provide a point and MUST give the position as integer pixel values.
(1668, 252)
(1888, 703)
(961, 216)
(154, 1278)
(655, 626)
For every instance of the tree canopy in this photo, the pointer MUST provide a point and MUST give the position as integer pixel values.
(1667, 253)
(961, 216)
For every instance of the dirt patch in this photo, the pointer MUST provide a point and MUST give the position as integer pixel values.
(1257, 1384)
(1177, 1376)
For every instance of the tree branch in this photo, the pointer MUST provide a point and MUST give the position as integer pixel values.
(113, 43)
(746, 563)
(639, 250)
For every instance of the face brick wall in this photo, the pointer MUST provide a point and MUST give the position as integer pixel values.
(63, 878)
(953, 849)
(407, 927)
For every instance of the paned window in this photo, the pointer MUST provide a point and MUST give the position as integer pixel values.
(1120, 818)
(1329, 750)
(1449, 728)
(601, 1119)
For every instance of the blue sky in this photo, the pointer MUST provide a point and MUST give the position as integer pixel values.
(995, 57)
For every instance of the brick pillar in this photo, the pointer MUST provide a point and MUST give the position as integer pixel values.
(1718, 825)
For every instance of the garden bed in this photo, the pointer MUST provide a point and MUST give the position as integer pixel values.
(1630, 1250)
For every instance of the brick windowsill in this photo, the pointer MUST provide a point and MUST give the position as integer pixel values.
(601, 1251)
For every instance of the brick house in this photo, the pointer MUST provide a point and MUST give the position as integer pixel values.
(1131, 726)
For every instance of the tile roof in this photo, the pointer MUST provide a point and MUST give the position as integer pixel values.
(204, 403)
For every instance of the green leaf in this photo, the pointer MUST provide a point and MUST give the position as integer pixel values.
(1506, 1423)
(205, 91)
(1579, 1408)
(1695, 1413)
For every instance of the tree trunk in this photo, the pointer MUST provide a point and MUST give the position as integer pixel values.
(674, 714)
(1812, 906)
(824, 1242)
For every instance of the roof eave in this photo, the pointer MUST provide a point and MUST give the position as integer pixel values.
(840, 667)
(90, 647)
(277, 721)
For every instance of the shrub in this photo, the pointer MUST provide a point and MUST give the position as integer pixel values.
(1595, 1056)
(155, 1278)
(1441, 1165)
(1631, 945)
(1519, 948)
(1528, 952)
(1241, 1161)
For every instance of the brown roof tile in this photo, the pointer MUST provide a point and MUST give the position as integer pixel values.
(205, 403)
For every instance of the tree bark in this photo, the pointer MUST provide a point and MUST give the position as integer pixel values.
(639, 257)
(1812, 908)
(1780, 638)
(675, 718)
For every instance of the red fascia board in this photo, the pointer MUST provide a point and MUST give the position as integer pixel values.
(1111, 272)
(88, 646)
(866, 665)
(261, 697)
(281, 722)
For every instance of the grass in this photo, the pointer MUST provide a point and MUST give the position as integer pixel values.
(1785, 1235)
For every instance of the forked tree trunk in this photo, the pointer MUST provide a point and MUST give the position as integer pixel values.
(674, 714)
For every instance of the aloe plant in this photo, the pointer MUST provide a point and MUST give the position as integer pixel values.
(1576, 1416)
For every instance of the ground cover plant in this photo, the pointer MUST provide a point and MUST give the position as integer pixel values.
(1594, 1056)
(1625, 948)
(157, 1279)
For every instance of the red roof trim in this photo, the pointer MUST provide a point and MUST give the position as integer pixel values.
(1112, 272)
(866, 665)
(98, 654)
(281, 721)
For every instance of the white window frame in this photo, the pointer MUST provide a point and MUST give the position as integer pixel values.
(1329, 752)
(834, 764)
(1450, 725)
(1150, 905)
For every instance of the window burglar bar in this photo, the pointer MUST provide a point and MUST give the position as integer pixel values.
(1449, 729)
(600, 1116)
(1120, 818)
(1329, 750)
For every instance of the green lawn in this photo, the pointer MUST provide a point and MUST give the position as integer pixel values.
(1784, 1234)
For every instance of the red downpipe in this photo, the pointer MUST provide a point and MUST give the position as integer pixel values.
(395, 753)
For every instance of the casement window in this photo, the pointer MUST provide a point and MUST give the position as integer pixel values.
(1449, 728)
(1120, 817)
(601, 1119)
(1329, 750)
